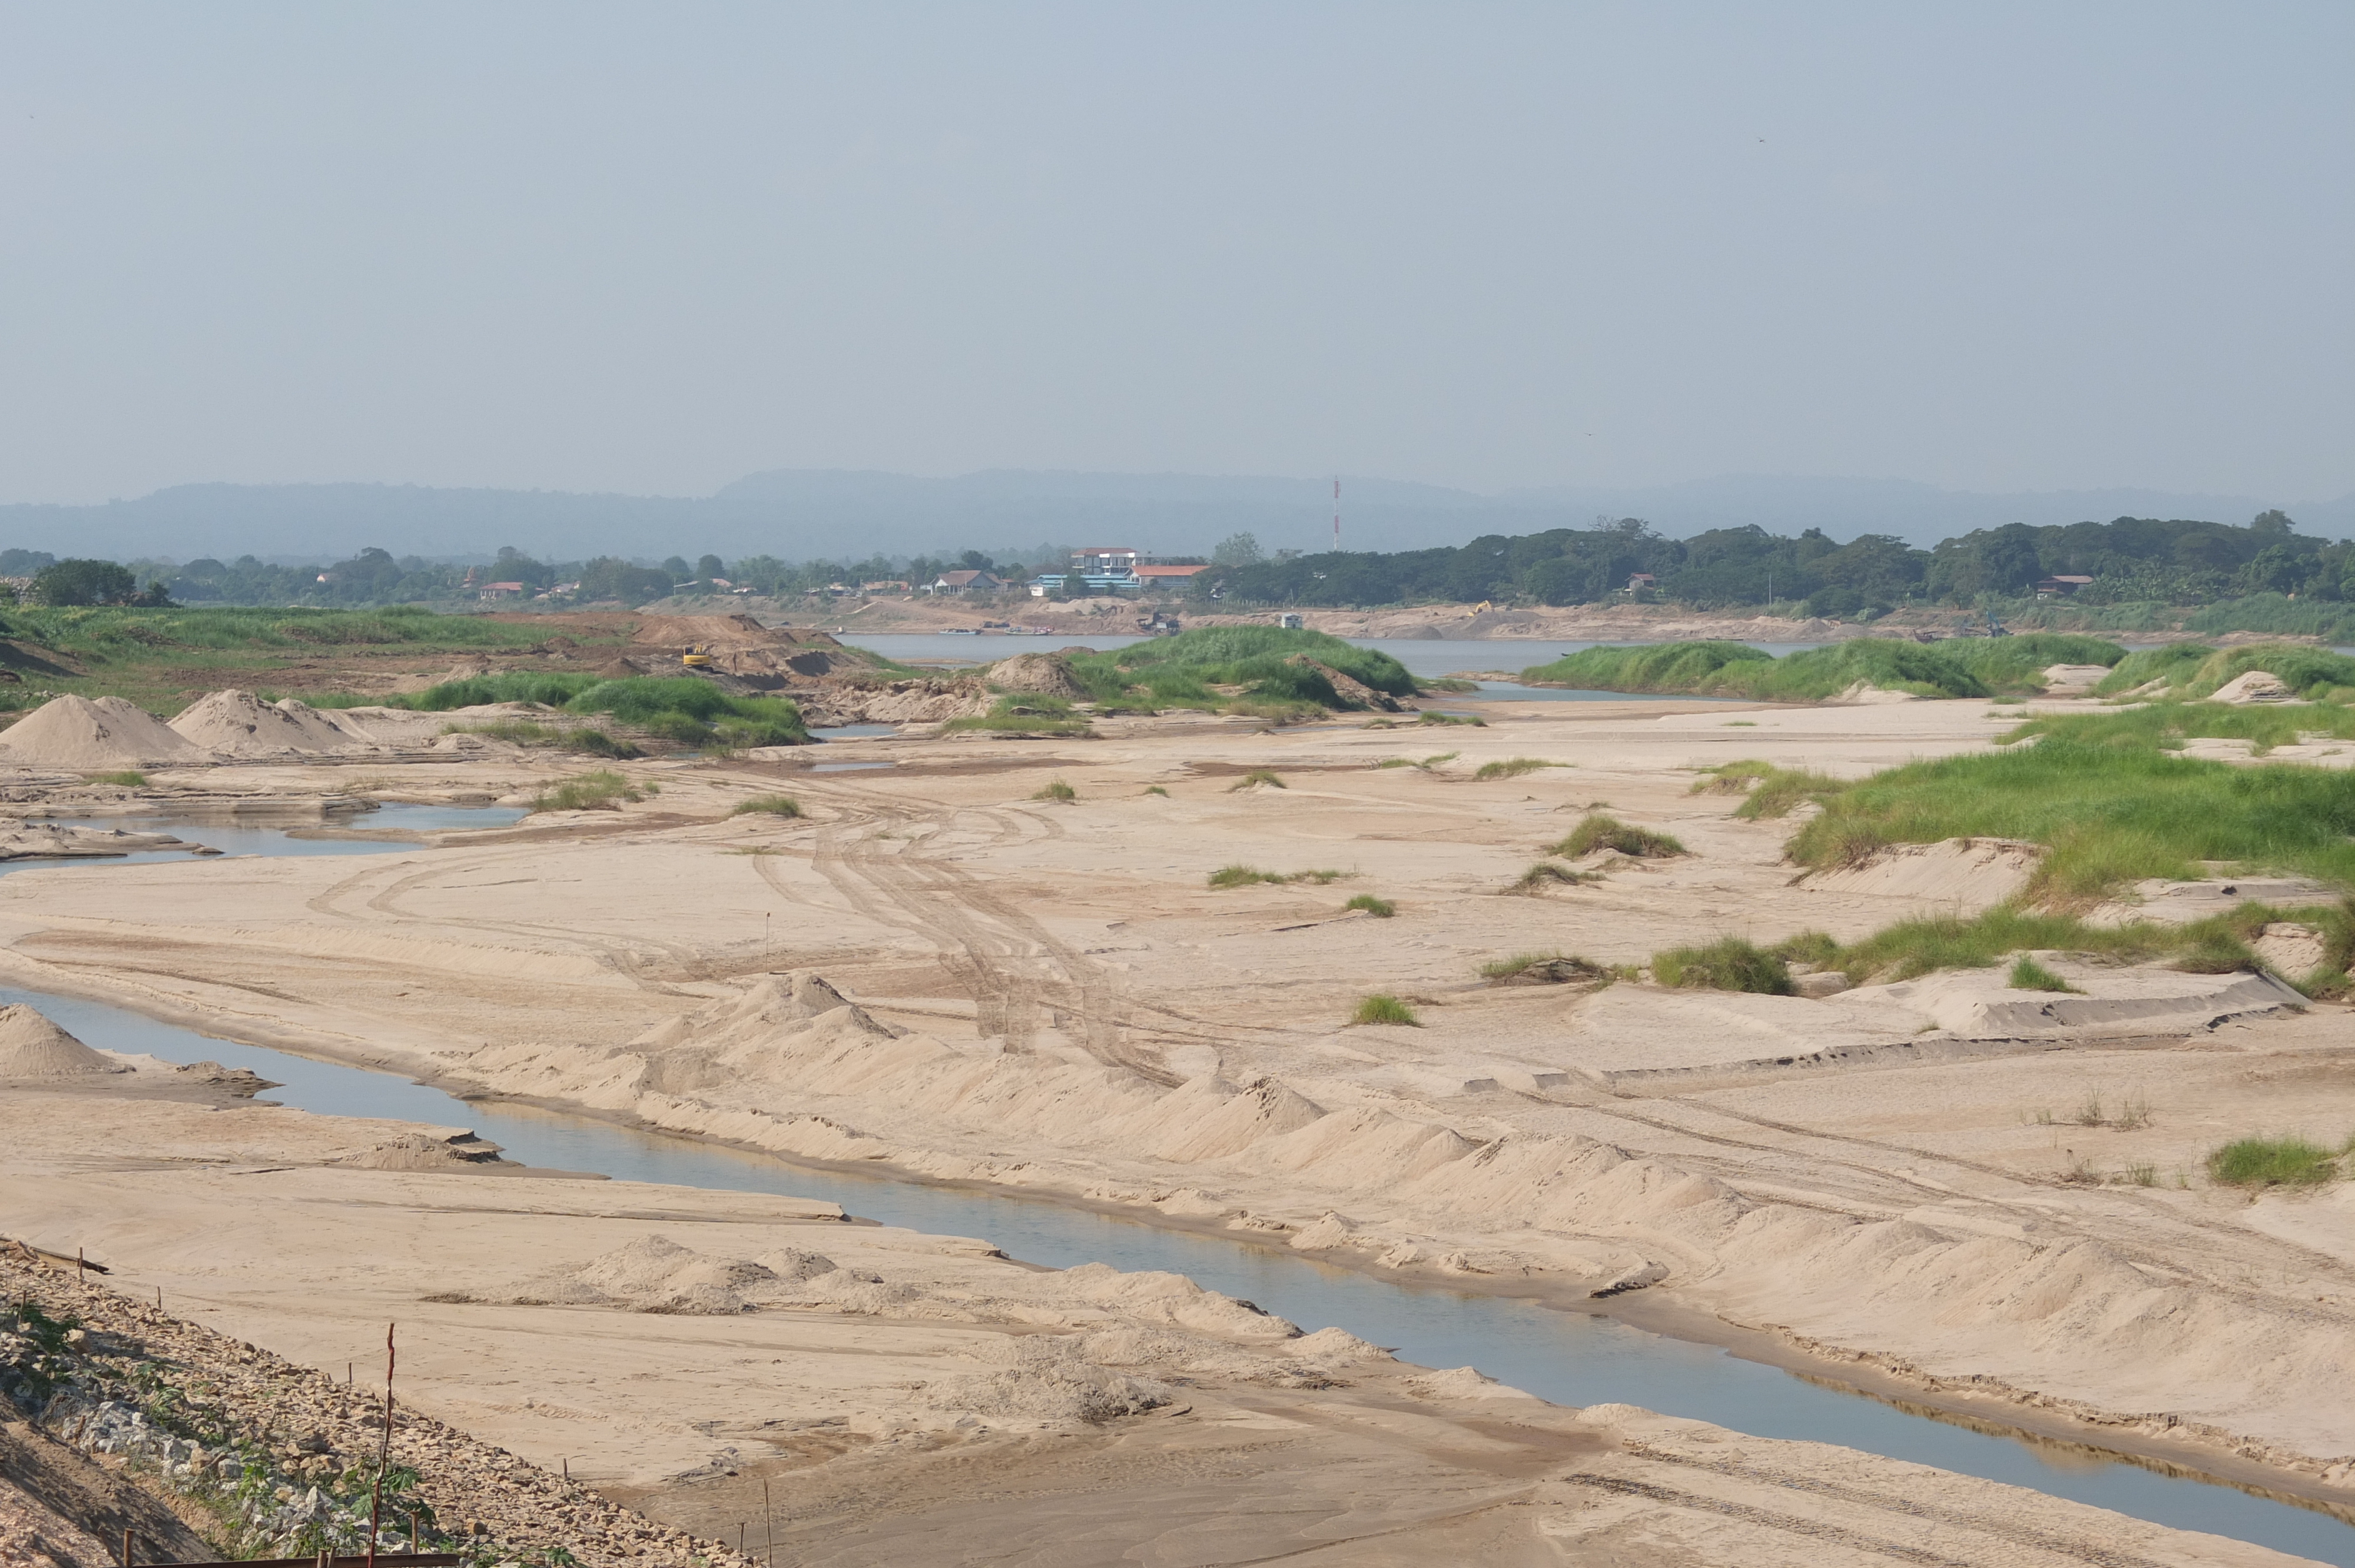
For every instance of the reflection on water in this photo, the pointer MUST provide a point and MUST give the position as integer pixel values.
(1571, 1358)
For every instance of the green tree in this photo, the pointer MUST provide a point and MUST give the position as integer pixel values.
(1237, 550)
(78, 581)
(709, 567)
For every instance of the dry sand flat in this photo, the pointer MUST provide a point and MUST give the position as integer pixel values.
(1050, 997)
(904, 1397)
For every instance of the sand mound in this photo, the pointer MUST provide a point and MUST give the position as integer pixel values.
(2179, 903)
(654, 1274)
(2290, 948)
(423, 1152)
(2072, 680)
(2256, 686)
(238, 724)
(101, 733)
(1865, 695)
(1967, 873)
(1048, 1382)
(1352, 692)
(33, 1047)
(1048, 674)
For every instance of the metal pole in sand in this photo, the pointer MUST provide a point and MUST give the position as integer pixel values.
(384, 1451)
(768, 1525)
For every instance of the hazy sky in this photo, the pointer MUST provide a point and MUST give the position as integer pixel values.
(651, 248)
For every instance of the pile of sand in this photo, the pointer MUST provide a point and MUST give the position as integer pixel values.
(33, 1047)
(1865, 695)
(1968, 875)
(2072, 680)
(98, 735)
(1352, 692)
(238, 724)
(2256, 686)
(1047, 675)
(654, 1274)
(423, 1152)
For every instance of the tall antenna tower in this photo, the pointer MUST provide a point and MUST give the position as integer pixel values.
(1336, 515)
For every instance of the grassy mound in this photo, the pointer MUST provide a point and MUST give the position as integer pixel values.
(603, 791)
(1262, 668)
(2195, 669)
(1599, 831)
(1026, 713)
(1727, 964)
(2112, 805)
(1385, 1009)
(2271, 1162)
(1959, 667)
(675, 707)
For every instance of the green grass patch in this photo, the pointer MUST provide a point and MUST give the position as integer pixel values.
(127, 778)
(1433, 715)
(1958, 667)
(680, 708)
(2027, 974)
(1156, 789)
(2112, 806)
(1056, 789)
(1379, 908)
(1259, 669)
(1426, 764)
(1727, 964)
(1381, 1009)
(1599, 830)
(1257, 775)
(1547, 967)
(526, 732)
(2271, 1162)
(1241, 875)
(603, 791)
(1513, 768)
(767, 805)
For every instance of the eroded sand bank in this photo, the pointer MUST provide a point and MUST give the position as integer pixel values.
(1048, 996)
(863, 1395)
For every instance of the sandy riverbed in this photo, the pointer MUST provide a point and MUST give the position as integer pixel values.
(1050, 997)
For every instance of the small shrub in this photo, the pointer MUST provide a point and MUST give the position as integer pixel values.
(1600, 832)
(1385, 1009)
(128, 778)
(1156, 789)
(1056, 789)
(1379, 908)
(2142, 1174)
(1513, 768)
(2030, 975)
(1727, 964)
(772, 805)
(2090, 1113)
(2271, 1162)
(600, 791)
(2132, 1116)
(1545, 875)
(1241, 875)
(1256, 775)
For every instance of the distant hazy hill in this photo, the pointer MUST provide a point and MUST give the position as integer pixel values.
(802, 514)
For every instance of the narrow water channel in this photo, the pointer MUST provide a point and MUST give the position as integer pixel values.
(1570, 1357)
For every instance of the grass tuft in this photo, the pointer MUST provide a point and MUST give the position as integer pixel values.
(769, 805)
(1602, 831)
(2030, 975)
(603, 791)
(1433, 715)
(127, 778)
(1513, 768)
(1257, 775)
(1379, 908)
(1382, 1009)
(1545, 875)
(1727, 964)
(2271, 1162)
(1156, 789)
(1241, 875)
(1056, 789)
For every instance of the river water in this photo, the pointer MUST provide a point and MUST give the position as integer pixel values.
(1571, 1358)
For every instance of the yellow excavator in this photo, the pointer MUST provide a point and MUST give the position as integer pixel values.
(697, 657)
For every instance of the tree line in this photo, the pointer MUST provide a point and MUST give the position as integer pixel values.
(2127, 560)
